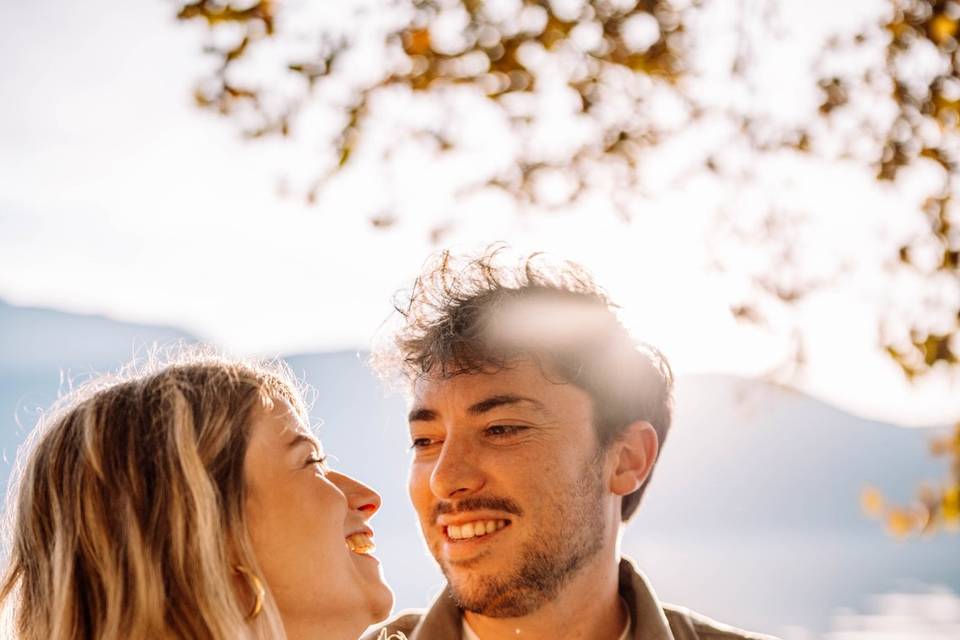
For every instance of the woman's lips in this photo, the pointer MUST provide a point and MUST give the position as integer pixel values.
(361, 543)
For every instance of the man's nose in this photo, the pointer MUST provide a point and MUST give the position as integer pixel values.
(456, 473)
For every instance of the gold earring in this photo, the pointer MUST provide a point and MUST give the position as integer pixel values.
(256, 586)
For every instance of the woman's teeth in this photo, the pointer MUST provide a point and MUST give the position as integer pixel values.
(474, 529)
(360, 543)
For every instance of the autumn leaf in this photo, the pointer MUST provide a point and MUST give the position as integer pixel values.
(950, 505)
(871, 500)
(902, 522)
(416, 42)
(942, 28)
(383, 221)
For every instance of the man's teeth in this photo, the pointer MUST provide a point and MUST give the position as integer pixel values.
(360, 543)
(474, 529)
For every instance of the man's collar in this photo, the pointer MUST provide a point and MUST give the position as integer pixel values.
(468, 633)
(649, 620)
(440, 620)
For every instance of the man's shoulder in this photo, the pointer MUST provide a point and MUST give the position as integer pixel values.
(404, 622)
(689, 625)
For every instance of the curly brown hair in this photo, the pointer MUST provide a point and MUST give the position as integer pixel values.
(478, 314)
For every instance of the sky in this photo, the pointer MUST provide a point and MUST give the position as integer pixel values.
(119, 197)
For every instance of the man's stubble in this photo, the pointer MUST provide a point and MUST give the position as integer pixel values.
(546, 564)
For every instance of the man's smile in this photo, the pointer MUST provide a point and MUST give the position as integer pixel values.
(467, 537)
(474, 529)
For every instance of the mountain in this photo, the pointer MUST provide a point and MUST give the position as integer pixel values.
(752, 515)
(36, 341)
(43, 351)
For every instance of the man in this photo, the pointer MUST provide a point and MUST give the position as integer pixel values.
(536, 422)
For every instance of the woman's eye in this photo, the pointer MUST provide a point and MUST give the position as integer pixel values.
(505, 430)
(319, 460)
(421, 443)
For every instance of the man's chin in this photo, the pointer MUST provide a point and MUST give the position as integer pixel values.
(492, 598)
(467, 576)
(467, 579)
(465, 565)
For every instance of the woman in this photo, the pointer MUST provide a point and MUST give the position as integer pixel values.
(190, 502)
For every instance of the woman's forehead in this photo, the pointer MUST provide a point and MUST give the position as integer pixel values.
(281, 423)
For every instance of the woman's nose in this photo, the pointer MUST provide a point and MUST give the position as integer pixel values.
(360, 497)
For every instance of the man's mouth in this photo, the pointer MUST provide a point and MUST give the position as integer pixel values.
(361, 543)
(474, 529)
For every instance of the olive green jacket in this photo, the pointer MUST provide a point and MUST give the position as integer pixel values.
(651, 619)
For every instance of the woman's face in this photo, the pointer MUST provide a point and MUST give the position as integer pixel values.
(308, 526)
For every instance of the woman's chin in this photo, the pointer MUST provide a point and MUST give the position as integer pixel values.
(381, 603)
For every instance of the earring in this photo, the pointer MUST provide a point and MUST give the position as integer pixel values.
(256, 586)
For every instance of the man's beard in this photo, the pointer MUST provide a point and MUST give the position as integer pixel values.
(546, 564)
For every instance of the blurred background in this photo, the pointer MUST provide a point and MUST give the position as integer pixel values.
(768, 188)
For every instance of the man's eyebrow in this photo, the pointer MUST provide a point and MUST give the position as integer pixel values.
(423, 414)
(488, 404)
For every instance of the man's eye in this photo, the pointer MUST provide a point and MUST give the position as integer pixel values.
(504, 430)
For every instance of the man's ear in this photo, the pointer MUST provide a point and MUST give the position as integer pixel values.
(635, 452)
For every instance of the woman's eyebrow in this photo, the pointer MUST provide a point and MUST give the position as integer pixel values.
(301, 438)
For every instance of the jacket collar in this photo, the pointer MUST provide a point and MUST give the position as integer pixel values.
(443, 618)
(649, 620)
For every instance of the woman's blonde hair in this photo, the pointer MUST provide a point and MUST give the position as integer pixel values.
(128, 519)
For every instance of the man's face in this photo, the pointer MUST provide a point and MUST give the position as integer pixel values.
(508, 484)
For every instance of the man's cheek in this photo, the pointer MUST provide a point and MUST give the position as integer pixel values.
(416, 483)
(420, 495)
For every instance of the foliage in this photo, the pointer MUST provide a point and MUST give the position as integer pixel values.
(936, 506)
(919, 75)
(628, 77)
(925, 128)
(600, 49)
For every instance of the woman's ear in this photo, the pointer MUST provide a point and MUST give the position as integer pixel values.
(635, 452)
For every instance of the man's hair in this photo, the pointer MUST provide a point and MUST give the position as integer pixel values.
(475, 314)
